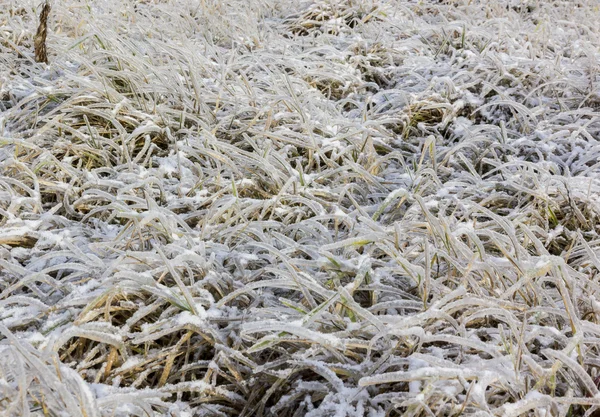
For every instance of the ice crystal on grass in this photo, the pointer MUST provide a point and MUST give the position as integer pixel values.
(261, 208)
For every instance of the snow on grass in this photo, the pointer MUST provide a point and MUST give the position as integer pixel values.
(284, 208)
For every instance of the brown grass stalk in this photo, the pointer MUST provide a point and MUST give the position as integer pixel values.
(41, 54)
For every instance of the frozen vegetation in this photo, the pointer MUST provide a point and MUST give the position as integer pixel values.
(286, 208)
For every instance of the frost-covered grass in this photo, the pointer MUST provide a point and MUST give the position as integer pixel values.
(285, 208)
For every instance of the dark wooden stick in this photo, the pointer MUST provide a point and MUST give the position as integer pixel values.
(40, 37)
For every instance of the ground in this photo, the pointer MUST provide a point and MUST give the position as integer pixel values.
(300, 208)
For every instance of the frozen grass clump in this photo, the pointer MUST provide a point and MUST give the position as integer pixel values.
(259, 208)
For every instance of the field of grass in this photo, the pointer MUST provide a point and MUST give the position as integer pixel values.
(300, 208)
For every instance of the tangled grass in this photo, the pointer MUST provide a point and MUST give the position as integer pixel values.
(281, 208)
